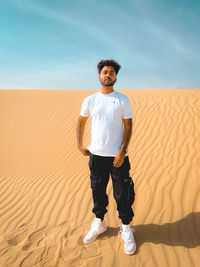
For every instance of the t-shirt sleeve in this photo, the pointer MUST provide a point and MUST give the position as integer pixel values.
(85, 108)
(127, 109)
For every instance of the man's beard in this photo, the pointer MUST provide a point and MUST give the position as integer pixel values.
(108, 84)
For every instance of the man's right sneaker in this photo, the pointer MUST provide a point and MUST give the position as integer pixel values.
(98, 227)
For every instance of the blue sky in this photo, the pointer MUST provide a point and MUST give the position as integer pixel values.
(46, 44)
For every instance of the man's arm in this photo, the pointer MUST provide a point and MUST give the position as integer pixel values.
(127, 132)
(119, 159)
(79, 134)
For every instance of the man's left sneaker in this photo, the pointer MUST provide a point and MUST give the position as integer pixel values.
(126, 232)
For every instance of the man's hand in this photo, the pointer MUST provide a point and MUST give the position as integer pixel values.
(119, 159)
(84, 150)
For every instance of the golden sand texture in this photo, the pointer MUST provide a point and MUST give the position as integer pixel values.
(45, 195)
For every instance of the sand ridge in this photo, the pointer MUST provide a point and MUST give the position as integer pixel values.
(45, 195)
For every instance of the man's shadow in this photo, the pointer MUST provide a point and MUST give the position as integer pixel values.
(184, 232)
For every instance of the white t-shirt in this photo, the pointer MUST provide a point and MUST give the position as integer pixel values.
(107, 112)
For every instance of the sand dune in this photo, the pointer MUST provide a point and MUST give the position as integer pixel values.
(45, 195)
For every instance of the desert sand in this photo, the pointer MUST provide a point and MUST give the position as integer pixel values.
(45, 194)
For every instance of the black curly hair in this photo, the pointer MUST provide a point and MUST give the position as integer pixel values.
(108, 62)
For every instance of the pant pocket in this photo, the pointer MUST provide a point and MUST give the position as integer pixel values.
(131, 191)
(91, 160)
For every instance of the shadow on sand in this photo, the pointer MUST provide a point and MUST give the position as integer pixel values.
(184, 232)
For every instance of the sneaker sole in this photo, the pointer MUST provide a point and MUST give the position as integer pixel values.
(130, 253)
(86, 242)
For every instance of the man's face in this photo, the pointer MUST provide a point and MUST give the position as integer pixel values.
(107, 76)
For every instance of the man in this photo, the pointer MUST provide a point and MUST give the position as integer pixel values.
(111, 115)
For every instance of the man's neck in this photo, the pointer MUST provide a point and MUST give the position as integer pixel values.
(107, 89)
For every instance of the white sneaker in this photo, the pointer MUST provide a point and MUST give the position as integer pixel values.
(129, 242)
(98, 227)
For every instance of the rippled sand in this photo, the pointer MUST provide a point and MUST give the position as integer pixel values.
(45, 195)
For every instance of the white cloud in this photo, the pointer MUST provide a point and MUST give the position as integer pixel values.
(168, 38)
(80, 75)
(158, 26)
(120, 37)
(64, 16)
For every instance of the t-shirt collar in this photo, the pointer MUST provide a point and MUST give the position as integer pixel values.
(107, 95)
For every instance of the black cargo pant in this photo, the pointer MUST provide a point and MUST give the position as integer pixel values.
(123, 186)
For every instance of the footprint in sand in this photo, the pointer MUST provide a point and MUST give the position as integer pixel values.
(28, 246)
(16, 240)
